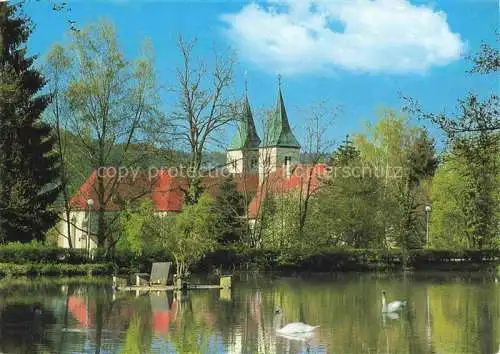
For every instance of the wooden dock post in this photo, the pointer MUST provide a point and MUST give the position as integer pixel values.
(225, 282)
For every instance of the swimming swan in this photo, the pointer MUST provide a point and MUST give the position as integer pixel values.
(299, 337)
(294, 328)
(392, 306)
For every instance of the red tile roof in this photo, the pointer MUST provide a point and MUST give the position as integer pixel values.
(166, 189)
(163, 187)
(278, 183)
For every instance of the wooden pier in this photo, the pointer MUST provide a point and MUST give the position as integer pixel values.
(224, 283)
(158, 278)
(167, 287)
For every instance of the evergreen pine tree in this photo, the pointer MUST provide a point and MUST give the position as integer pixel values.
(345, 154)
(422, 158)
(28, 164)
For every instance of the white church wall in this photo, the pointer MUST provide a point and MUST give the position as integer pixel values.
(242, 161)
(79, 231)
(79, 227)
(271, 158)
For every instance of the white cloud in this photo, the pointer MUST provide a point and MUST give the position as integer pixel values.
(304, 36)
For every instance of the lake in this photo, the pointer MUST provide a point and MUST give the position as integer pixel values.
(447, 313)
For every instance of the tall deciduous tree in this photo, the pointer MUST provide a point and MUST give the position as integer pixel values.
(474, 136)
(320, 119)
(449, 204)
(403, 159)
(29, 171)
(58, 64)
(204, 107)
(111, 101)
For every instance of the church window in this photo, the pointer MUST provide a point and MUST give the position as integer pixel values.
(254, 162)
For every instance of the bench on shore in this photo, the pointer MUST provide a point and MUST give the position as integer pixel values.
(158, 276)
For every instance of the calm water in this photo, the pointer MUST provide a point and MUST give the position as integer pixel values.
(447, 314)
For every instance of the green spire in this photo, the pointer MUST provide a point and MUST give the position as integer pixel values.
(246, 135)
(279, 132)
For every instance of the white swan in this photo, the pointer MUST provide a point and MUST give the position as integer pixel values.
(392, 306)
(294, 328)
(299, 337)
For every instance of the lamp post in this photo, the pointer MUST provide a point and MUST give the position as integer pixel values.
(428, 210)
(90, 202)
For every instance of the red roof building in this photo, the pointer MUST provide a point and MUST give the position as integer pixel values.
(258, 166)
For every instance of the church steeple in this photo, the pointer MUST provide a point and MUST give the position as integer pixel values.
(279, 133)
(280, 148)
(246, 135)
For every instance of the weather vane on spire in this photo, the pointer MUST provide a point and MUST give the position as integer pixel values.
(279, 80)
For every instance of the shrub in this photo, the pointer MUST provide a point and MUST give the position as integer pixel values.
(330, 260)
(36, 252)
(30, 269)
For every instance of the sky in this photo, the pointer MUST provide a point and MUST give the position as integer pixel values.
(359, 55)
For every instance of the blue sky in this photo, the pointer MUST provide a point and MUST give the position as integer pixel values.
(357, 54)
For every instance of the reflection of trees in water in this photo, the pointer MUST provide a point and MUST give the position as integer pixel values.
(139, 333)
(443, 317)
(89, 315)
(191, 330)
(23, 328)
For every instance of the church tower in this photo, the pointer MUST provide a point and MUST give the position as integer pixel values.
(279, 147)
(243, 151)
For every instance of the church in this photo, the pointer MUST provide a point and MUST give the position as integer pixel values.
(258, 165)
(247, 153)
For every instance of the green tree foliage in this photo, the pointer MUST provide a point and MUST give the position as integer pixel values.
(56, 113)
(266, 211)
(230, 211)
(415, 194)
(345, 154)
(111, 101)
(191, 234)
(479, 155)
(474, 138)
(422, 159)
(449, 194)
(374, 196)
(402, 157)
(139, 228)
(29, 171)
(347, 207)
(453, 220)
(281, 220)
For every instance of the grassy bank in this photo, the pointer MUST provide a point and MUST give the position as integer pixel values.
(227, 259)
(334, 260)
(35, 259)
